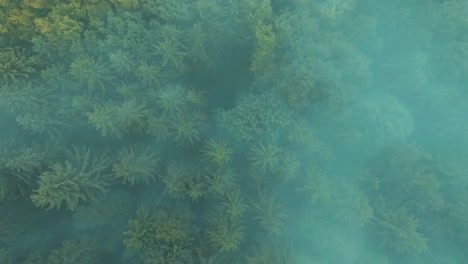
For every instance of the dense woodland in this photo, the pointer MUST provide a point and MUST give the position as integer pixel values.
(233, 131)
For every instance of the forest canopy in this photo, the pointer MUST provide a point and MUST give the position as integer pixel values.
(240, 131)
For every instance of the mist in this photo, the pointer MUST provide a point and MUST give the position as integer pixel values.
(241, 131)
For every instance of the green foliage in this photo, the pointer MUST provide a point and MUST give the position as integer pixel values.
(220, 181)
(217, 151)
(172, 99)
(19, 21)
(225, 234)
(104, 118)
(62, 24)
(158, 237)
(178, 114)
(12, 188)
(167, 11)
(386, 119)
(41, 123)
(59, 185)
(303, 134)
(263, 57)
(290, 165)
(196, 49)
(270, 212)
(125, 4)
(150, 226)
(88, 160)
(78, 179)
(6, 256)
(170, 49)
(155, 71)
(22, 161)
(136, 165)
(90, 72)
(127, 31)
(8, 230)
(314, 68)
(352, 207)
(18, 166)
(55, 76)
(196, 188)
(425, 187)
(17, 64)
(110, 211)
(304, 86)
(149, 74)
(35, 258)
(140, 230)
(316, 186)
(265, 157)
(274, 251)
(187, 126)
(23, 98)
(177, 176)
(413, 173)
(116, 120)
(255, 116)
(75, 251)
(132, 115)
(234, 204)
(16, 176)
(399, 230)
(159, 127)
(196, 98)
(121, 61)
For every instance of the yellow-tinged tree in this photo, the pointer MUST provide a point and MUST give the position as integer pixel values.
(18, 64)
(20, 22)
(62, 26)
(125, 4)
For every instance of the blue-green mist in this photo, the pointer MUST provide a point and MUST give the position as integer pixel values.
(233, 131)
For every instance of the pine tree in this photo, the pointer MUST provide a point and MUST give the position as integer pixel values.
(136, 165)
(60, 185)
(265, 157)
(225, 234)
(218, 152)
(270, 212)
(104, 118)
(82, 177)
